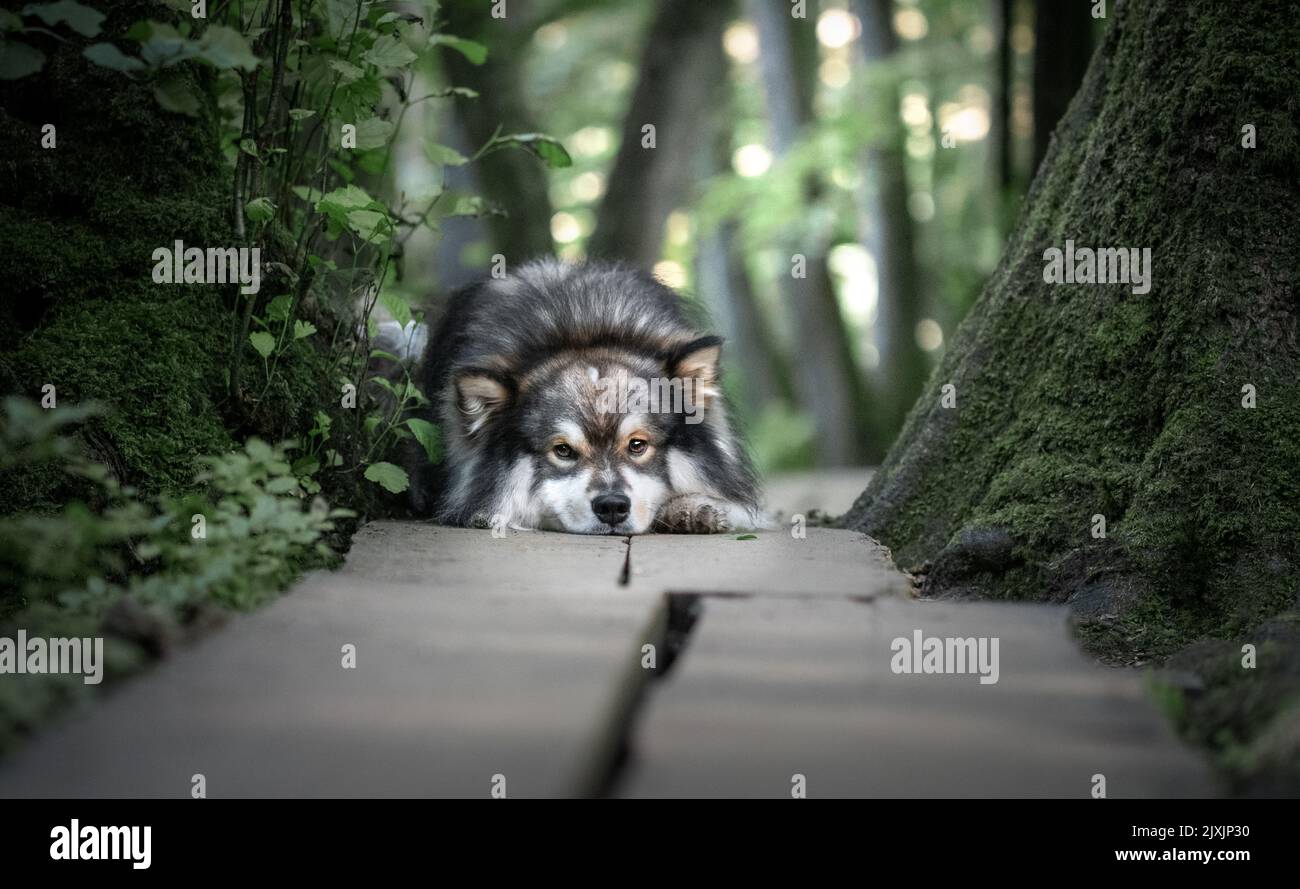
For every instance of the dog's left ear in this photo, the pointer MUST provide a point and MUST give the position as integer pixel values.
(698, 360)
(480, 395)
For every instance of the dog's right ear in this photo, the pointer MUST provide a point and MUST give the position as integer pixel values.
(480, 395)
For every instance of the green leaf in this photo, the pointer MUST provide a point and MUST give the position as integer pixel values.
(444, 155)
(248, 146)
(82, 19)
(9, 21)
(303, 329)
(161, 44)
(259, 209)
(348, 72)
(307, 465)
(370, 225)
(341, 202)
(350, 197)
(474, 206)
(263, 342)
(747, 537)
(343, 170)
(18, 60)
(476, 52)
(389, 477)
(389, 52)
(373, 133)
(307, 193)
(546, 147)
(301, 113)
(109, 56)
(226, 48)
(174, 94)
(397, 306)
(343, 15)
(278, 308)
(282, 485)
(428, 435)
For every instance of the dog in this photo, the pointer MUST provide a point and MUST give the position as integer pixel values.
(578, 398)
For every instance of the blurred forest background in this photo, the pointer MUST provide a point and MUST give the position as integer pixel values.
(833, 188)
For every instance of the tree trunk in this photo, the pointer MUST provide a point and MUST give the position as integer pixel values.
(511, 179)
(682, 73)
(903, 366)
(1077, 403)
(1062, 47)
(758, 371)
(1002, 13)
(826, 377)
(753, 357)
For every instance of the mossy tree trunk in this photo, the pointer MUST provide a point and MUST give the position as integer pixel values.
(1074, 401)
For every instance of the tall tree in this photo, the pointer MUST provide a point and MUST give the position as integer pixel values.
(510, 179)
(1137, 453)
(724, 283)
(1002, 15)
(759, 371)
(678, 90)
(903, 366)
(1062, 47)
(827, 381)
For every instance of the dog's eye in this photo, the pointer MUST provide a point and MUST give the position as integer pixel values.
(637, 446)
(563, 451)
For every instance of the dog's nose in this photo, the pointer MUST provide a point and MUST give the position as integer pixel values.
(611, 508)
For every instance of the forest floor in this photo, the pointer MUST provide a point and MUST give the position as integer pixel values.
(450, 662)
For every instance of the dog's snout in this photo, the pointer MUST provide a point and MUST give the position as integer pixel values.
(611, 508)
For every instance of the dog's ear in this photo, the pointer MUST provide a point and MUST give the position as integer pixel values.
(698, 360)
(480, 395)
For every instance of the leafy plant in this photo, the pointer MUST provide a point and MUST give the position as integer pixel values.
(308, 99)
(247, 535)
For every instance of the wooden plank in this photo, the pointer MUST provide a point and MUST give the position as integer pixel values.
(515, 656)
(770, 688)
(519, 563)
(827, 562)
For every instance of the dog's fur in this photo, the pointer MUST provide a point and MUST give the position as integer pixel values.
(514, 372)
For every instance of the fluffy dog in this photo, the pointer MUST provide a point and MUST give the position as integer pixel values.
(578, 398)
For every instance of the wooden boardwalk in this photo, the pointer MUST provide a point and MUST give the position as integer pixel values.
(557, 665)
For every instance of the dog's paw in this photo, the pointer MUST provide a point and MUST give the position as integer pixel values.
(693, 514)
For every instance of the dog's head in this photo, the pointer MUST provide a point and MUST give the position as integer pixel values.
(592, 435)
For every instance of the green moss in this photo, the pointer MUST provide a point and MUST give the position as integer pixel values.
(1244, 709)
(84, 315)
